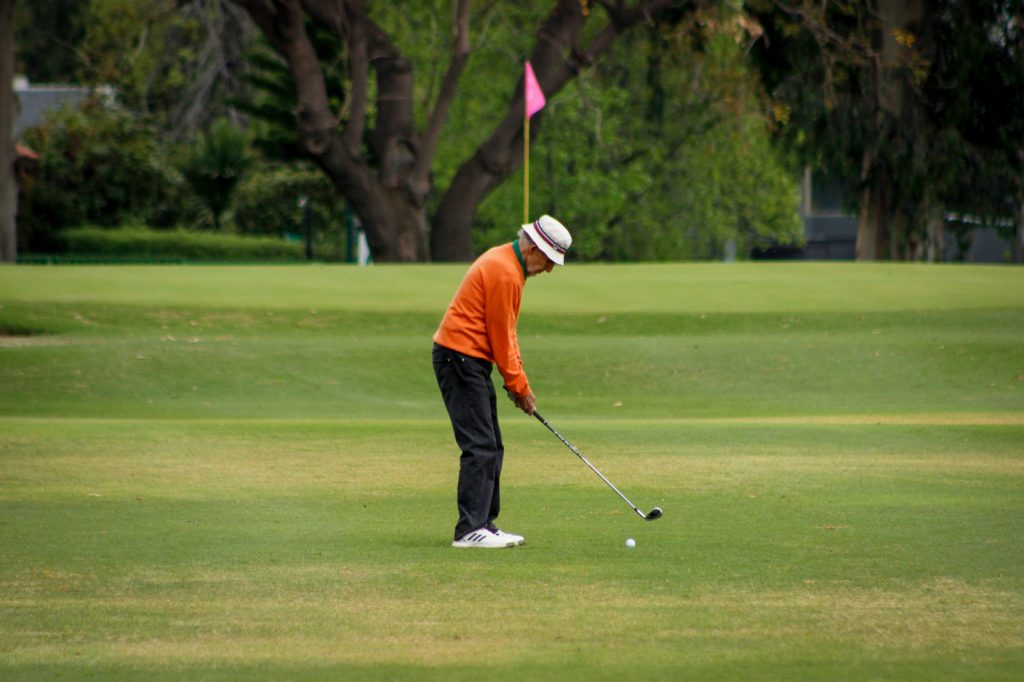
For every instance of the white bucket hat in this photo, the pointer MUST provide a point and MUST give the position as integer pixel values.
(551, 237)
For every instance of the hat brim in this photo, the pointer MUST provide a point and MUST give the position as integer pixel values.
(557, 257)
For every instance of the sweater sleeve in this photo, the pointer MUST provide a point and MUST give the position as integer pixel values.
(503, 300)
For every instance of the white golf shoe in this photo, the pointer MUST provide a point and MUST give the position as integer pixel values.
(518, 539)
(486, 539)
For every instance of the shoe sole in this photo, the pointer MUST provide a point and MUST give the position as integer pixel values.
(479, 545)
(516, 539)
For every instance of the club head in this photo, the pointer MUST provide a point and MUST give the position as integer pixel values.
(653, 514)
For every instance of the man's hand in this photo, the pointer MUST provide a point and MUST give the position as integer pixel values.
(526, 403)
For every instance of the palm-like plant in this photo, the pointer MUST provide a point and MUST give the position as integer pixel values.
(214, 164)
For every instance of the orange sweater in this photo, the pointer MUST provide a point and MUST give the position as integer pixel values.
(481, 319)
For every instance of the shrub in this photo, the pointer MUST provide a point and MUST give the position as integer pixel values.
(140, 244)
(268, 201)
(97, 165)
(214, 164)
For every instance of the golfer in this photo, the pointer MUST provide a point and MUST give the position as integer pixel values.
(477, 332)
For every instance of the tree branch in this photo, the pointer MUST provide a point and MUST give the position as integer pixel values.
(395, 223)
(282, 22)
(347, 20)
(359, 68)
(393, 134)
(557, 58)
(449, 88)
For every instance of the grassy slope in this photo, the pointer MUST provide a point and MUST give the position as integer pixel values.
(237, 472)
(665, 341)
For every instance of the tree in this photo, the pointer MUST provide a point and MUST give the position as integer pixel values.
(214, 164)
(98, 165)
(388, 179)
(178, 67)
(915, 103)
(660, 151)
(8, 181)
(48, 35)
(176, 61)
(980, 49)
(269, 98)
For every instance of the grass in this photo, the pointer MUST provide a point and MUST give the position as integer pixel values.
(231, 473)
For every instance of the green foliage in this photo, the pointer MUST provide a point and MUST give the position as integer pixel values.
(177, 62)
(214, 164)
(98, 244)
(279, 200)
(98, 165)
(659, 152)
(949, 141)
(676, 164)
(486, 85)
(614, 151)
(46, 37)
(123, 44)
(271, 105)
(271, 98)
(267, 201)
(151, 51)
(977, 162)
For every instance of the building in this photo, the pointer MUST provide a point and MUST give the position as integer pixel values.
(830, 230)
(35, 101)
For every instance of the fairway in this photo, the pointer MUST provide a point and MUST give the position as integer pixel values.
(237, 473)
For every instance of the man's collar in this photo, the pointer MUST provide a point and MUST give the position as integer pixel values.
(519, 255)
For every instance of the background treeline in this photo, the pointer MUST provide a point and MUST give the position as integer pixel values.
(686, 140)
(662, 153)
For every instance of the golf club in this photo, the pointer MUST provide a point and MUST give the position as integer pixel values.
(649, 516)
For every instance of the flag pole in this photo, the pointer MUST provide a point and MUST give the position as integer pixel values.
(533, 101)
(525, 166)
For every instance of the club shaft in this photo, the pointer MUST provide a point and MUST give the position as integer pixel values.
(585, 461)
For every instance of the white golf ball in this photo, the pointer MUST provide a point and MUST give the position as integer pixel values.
(630, 542)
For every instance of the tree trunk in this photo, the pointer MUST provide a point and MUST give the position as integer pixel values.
(897, 107)
(883, 231)
(873, 217)
(450, 240)
(555, 59)
(8, 179)
(867, 236)
(935, 245)
(558, 56)
(392, 214)
(391, 195)
(1018, 244)
(396, 229)
(872, 210)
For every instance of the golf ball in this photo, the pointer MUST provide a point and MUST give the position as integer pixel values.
(630, 542)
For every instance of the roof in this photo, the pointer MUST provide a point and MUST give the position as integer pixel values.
(23, 152)
(35, 101)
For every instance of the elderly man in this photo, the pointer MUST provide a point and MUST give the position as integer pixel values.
(477, 332)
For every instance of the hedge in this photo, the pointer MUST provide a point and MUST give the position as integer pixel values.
(132, 244)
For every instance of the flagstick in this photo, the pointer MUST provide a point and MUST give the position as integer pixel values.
(526, 164)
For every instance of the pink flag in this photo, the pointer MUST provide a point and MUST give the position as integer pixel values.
(534, 95)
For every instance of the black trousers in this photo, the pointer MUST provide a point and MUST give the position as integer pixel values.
(472, 404)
